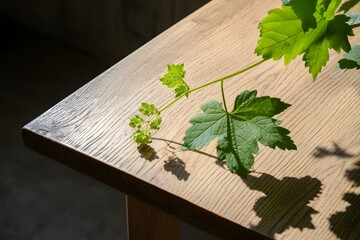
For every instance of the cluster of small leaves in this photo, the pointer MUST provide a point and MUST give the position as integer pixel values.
(150, 120)
(240, 130)
(308, 27)
(174, 78)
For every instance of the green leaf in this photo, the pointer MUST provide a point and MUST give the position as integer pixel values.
(142, 125)
(174, 78)
(247, 105)
(222, 147)
(182, 90)
(304, 10)
(175, 75)
(205, 127)
(316, 57)
(147, 109)
(354, 18)
(337, 33)
(346, 6)
(242, 138)
(351, 60)
(136, 121)
(304, 26)
(331, 7)
(239, 131)
(289, 31)
(142, 136)
(281, 34)
(155, 124)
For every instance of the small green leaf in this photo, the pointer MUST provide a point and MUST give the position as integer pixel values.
(182, 90)
(147, 109)
(175, 75)
(142, 125)
(351, 59)
(136, 121)
(174, 78)
(346, 6)
(142, 136)
(155, 124)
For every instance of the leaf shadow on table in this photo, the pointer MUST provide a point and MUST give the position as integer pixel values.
(174, 164)
(177, 167)
(336, 150)
(286, 202)
(346, 224)
(147, 152)
(169, 142)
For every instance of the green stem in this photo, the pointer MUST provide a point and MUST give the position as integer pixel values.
(213, 82)
(223, 95)
(228, 76)
(187, 86)
(171, 103)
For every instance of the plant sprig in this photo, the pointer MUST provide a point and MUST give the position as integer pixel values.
(300, 27)
(150, 120)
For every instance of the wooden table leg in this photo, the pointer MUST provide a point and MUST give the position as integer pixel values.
(149, 223)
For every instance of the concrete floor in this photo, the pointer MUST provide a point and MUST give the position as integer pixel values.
(40, 198)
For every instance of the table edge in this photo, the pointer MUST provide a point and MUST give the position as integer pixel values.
(131, 185)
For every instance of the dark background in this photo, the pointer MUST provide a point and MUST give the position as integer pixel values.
(48, 50)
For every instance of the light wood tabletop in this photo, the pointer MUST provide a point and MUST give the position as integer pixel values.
(311, 193)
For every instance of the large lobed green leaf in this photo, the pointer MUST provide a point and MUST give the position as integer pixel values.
(240, 143)
(240, 130)
(308, 27)
(206, 126)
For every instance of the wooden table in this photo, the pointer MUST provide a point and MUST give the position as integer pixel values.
(311, 193)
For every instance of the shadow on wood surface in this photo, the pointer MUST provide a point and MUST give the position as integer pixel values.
(336, 150)
(174, 164)
(147, 152)
(286, 202)
(169, 142)
(346, 225)
(177, 167)
(354, 174)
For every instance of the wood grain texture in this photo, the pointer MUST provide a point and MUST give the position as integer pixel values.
(146, 222)
(311, 193)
